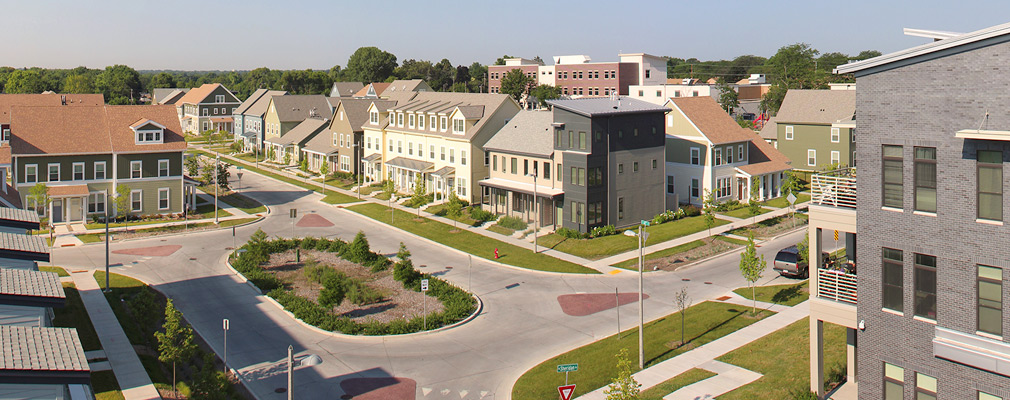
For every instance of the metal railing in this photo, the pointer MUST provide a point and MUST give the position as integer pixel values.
(834, 188)
(836, 285)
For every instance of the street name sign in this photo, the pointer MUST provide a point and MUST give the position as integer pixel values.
(568, 367)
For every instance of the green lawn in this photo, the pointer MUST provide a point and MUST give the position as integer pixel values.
(632, 264)
(781, 202)
(501, 230)
(671, 385)
(105, 386)
(58, 270)
(207, 211)
(787, 295)
(338, 182)
(91, 237)
(249, 157)
(339, 198)
(383, 196)
(297, 182)
(470, 242)
(244, 203)
(74, 315)
(705, 322)
(744, 213)
(784, 360)
(98, 237)
(464, 217)
(367, 190)
(606, 246)
(101, 225)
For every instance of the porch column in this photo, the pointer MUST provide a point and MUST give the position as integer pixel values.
(84, 209)
(817, 357)
(850, 355)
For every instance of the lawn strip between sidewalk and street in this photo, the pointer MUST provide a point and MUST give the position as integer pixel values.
(744, 213)
(632, 264)
(98, 237)
(705, 322)
(782, 202)
(787, 295)
(606, 246)
(338, 198)
(470, 242)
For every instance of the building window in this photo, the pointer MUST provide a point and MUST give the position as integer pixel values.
(724, 187)
(526, 166)
(399, 147)
(925, 179)
(990, 300)
(718, 156)
(925, 286)
(136, 201)
(494, 162)
(219, 98)
(575, 210)
(894, 382)
(431, 151)
(695, 156)
(595, 213)
(431, 123)
(571, 140)
(729, 155)
(135, 167)
(452, 156)
(835, 157)
(582, 140)
(990, 185)
(811, 157)
(78, 171)
(986, 396)
(163, 199)
(620, 169)
(670, 189)
(31, 173)
(739, 153)
(410, 121)
(694, 188)
(560, 172)
(163, 168)
(789, 133)
(515, 166)
(893, 280)
(892, 178)
(54, 172)
(925, 387)
(547, 170)
(634, 167)
(620, 208)
(96, 203)
(487, 156)
(444, 124)
(462, 157)
(596, 176)
(442, 154)
(399, 119)
(390, 145)
(373, 117)
(641, 93)
(99, 169)
(410, 148)
(655, 164)
(835, 136)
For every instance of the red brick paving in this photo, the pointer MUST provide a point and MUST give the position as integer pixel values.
(580, 305)
(313, 221)
(156, 251)
(379, 388)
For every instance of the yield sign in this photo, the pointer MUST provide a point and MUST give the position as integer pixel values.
(566, 391)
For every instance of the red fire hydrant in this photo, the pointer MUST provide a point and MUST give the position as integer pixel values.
(495, 253)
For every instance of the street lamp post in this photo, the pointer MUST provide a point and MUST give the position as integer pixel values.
(536, 220)
(641, 307)
(291, 369)
(226, 327)
(357, 148)
(106, 207)
(217, 166)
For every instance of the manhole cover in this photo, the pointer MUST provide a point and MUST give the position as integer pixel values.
(280, 390)
(686, 279)
(192, 259)
(708, 283)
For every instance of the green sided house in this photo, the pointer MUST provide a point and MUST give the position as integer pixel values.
(82, 154)
(208, 107)
(815, 129)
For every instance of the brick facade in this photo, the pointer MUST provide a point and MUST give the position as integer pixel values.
(924, 104)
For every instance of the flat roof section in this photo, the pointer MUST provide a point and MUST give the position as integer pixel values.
(42, 356)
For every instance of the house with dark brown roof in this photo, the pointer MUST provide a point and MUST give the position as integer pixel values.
(82, 154)
(708, 152)
(208, 107)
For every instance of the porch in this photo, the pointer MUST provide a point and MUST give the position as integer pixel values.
(516, 199)
(404, 172)
(69, 204)
(372, 168)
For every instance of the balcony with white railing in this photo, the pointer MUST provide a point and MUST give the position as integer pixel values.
(834, 188)
(836, 285)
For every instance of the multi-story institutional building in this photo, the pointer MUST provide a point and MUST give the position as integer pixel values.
(816, 129)
(929, 320)
(82, 154)
(588, 162)
(435, 135)
(249, 118)
(208, 107)
(579, 76)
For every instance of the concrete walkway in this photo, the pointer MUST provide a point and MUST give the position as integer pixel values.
(729, 378)
(665, 370)
(130, 373)
(222, 205)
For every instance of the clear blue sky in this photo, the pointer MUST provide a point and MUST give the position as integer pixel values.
(245, 34)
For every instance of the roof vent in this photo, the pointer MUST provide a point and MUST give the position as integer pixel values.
(63, 99)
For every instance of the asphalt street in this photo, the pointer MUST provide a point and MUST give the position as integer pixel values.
(519, 326)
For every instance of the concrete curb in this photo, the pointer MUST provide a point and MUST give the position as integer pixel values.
(257, 220)
(479, 308)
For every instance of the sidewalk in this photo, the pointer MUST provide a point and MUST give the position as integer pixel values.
(130, 373)
(704, 355)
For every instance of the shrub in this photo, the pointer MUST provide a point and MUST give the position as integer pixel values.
(482, 215)
(605, 230)
(513, 223)
(691, 210)
(570, 233)
(360, 294)
(358, 250)
(308, 243)
(729, 205)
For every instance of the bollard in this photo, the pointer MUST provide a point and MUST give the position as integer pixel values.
(298, 254)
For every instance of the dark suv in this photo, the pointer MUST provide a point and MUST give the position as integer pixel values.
(787, 263)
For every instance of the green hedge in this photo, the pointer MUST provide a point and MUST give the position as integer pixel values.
(457, 303)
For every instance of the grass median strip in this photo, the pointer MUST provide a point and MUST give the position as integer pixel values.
(58, 270)
(787, 295)
(338, 197)
(704, 323)
(744, 212)
(470, 242)
(606, 246)
(781, 202)
(693, 375)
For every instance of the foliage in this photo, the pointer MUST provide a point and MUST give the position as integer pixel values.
(605, 230)
(209, 383)
(683, 301)
(304, 165)
(624, 386)
(176, 343)
(287, 158)
(690, 210)
(545, 92)
(369, 64)
(358, 250)
(513, 223)
(753, 206)
(162, 80)
(568, 233)
(792, 184)
(144, 307)
(78, 84)
(751, 267)
(728, 98)
(803, 249)
(419, 197)
(454, 208)
(39, 193)
(388, 187)
(515, 83)
(119, 84)
(192, 165)
(708, 207)
(24, 81)
(122, 200)
(668, 215)
(324, 169)
(481, 215)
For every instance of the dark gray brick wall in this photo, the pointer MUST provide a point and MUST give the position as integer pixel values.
(924, 104)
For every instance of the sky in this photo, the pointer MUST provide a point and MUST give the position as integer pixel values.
(247, 34)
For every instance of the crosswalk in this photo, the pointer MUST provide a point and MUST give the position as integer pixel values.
(463, 394)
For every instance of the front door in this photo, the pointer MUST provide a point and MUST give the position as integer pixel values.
(57, 210)
(740, 187)
(74, 212)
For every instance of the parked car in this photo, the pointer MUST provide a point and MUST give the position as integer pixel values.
(787, 263)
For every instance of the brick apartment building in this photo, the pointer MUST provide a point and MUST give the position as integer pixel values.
(579, 76)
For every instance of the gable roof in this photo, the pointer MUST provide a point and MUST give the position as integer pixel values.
(259, 107)
(817, 106)
(345, 89)
(172, 97)
(42, 355)
(770, 130)
(355, 110)
(249, 101)
(987, 36)
(528, 133)
(31, 288)
(11, 100)
(378, 87)
(603, 106)
(301, 132)
(200, 94)
(711, 120)
(763, 158)
(161, 94)
(404, 85)
(96, 129)
(298, 107)
(447, 102)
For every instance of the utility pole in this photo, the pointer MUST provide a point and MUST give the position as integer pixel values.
(641, 307)
(106, 206)
(217, 165)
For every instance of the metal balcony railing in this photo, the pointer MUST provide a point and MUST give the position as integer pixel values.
(834, 188)
(836, 285)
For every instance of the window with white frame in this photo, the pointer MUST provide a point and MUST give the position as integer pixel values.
(333, 139)
(215, 111)
(340, 140)
(219, 98)
(458, 126)
(54, 172)
(31, 173)
(444, 124)
(462, 187)
(835, 157)
(718, 156)
(852, 134)
(432, 152)
(163, 168)
(724, 187)
(431, 122)
(204, 112)
(695, 156)
(462, 157)
(163, 202)
(789, 133)
(78, 171)
(135, 167)
(345, 163)
(410, 121)
(729, 155)
(443, 153)
(137, 200)
(399, 119)
(811, 157)
(739, 152)
(452, 156)
(420, 121)
(410, 148)
(96, 203)
(835, 135)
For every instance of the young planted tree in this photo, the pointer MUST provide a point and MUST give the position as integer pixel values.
(752, 205)
(175, 344)
(193, 165)
(683, 303)
(420, 193)
(708, 208)
(122, 203)
(287, 158)
(39, 194)
(751, 267)
(325, 170)
(624, 386)
(209, 383)
(304, 165)
(453, 208)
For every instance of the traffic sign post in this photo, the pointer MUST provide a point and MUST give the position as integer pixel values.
(225, 326)
(566, 368)
(239, 175)
(293, 215)
(424, 303)
(566, 391)
(791, 198)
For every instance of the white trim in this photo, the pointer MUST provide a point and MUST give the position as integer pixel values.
(105, 171)
(140, 197)
(73, 172)
(140, 170)
(814, 164)
(789, 132)
(893, 209)
(168, 198)
(49, 173)
(988, 335)
(836, 157)
(980, 35)
(923, 319)
(890, 311)
(168, 168)
(836, 135)
(924, 213)
(36, 166)
(989, 222)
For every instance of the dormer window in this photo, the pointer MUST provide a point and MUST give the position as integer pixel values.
(420, 121)
(458, 126)
(399, 119)
(410, 121)
(374, 117)
(444, 123)
(146, 131)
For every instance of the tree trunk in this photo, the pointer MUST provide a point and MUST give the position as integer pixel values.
(753, 296)
(173, 381)
(682, 316)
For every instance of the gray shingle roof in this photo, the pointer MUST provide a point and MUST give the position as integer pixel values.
(529, 133)
(816, 106)
(13, 242)
(16, 217)
(39, 352)
(159, 94)
(259, 107)
(249, 101)
(345, 89)
(23, 282)
(321, 143)
(301, 133)
(413, 165)
(603, 106)
(297, 107)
